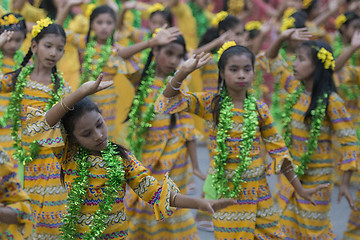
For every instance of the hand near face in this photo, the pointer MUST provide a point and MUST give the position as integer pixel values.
(195, 62)
(5, 36)
(300, 34)
(165, 36)
(92, 87)
(355, 40)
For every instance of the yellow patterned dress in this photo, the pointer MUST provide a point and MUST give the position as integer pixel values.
(42, 176)
(106, 99)
(13, 196)
(137, 178)
(164, 151)
(300, 219)
(6, 140)
(254, 216)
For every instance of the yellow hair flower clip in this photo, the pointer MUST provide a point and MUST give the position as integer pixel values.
(340, 20)
(42, 23)
(253, 25)
(89, 9)
(326, 58)
(288, 12)
(218, 18)
(155, 7)
(225, 46)
(9, 20)
(306, 3)
(287, 23)
(156, 31)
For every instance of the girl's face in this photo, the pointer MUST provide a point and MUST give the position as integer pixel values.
(48, 50)
(14, 44)
(303, 66)
(90, 131)
(239, 35)
(103, 26)
(168, 57)
(238, 72)
(157, 21)
(351, 28)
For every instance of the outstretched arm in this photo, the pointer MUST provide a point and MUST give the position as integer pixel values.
(348, 52)
(54, 114)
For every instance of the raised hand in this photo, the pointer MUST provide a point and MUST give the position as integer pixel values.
(213, 206)
(92, 87)
(307, 194)
(195, 62)
(165, 36)
(5, 36)
(300, 34)
(355, 40)
(345, 192)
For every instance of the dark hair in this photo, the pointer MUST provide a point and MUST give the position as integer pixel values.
(300, 19)
(323, 78)
(49, 7)
(68, 120)
(51, 29)
(231, 51)
(179, 40)
(20, 26)
(97, 11)
(212, 33)
(310, 7)
(350, 16)
(166, 14)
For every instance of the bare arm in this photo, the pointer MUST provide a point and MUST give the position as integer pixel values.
(258, 42)
(344, 189)
(191, 146)
(7, 215)
(63, 11)
(17, 5)
(330, 10)
(348, 52)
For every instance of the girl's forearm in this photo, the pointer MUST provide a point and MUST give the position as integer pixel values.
(346, 178)
(173, 87)
(273, 50)
(128, 52)
(8, 216)
(183, 201)
(345, 55)
(288, 170)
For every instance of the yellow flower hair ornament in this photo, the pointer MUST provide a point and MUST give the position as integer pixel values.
(340, 20)
(156, 31)
(306, 3)
(155, 7)
(225, 46)
(287, 23)
(253, 25)
(8, 20)
(42, 23)
(89, 9)
(326, 58)
(288, 12)
(218, 18)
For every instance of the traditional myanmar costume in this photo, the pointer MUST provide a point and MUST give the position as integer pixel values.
(300, 219)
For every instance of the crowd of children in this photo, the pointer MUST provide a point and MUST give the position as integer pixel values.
(102, 103)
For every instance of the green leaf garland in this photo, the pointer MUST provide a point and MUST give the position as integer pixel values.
(13, 112)
(202, 23)
(78, 191)
(18, 57)
(88, 73)
(250, 124)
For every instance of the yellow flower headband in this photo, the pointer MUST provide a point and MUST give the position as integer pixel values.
(340, 20)
(253, 25)
(155, 7)
(42, 23)
(89, 9)
(288, 12)
(156, 31)
(225, 46)
(326, 58)
(287, 23)
(9, 20)
(218, 18)
(306, 3)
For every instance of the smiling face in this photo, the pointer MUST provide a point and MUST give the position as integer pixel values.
(49, 50)
(168, 58)
(238, 72)
(303, 65)
(90, 131)
(14, 44)
(103, 26)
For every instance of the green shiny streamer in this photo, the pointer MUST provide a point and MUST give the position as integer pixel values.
(78, 191)
(202, 23)
(18, 57)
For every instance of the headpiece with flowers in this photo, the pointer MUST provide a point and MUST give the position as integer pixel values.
(89, 9)
(340, 20)
(218, 18)
(306, 3)
(42, 23)
(225, 46)
(326, 58)
(288, 12)
(155, 7)
(156, 32)
(10, 22)
(253, 25)
(287, 23)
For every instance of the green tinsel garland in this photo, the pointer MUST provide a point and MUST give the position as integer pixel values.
(91, 75)
(18, 57)
(250, 124)
(202, 23)
(78, 191)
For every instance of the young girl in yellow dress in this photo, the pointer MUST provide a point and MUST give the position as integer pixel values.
(16, 220)
(161, 142)
(96, 171)
(237, 122)
(99, 54)
(13, 34)
(40, 86)
(313, 114)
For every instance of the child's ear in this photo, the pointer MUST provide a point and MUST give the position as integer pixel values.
(222, 74)
(33, 46)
